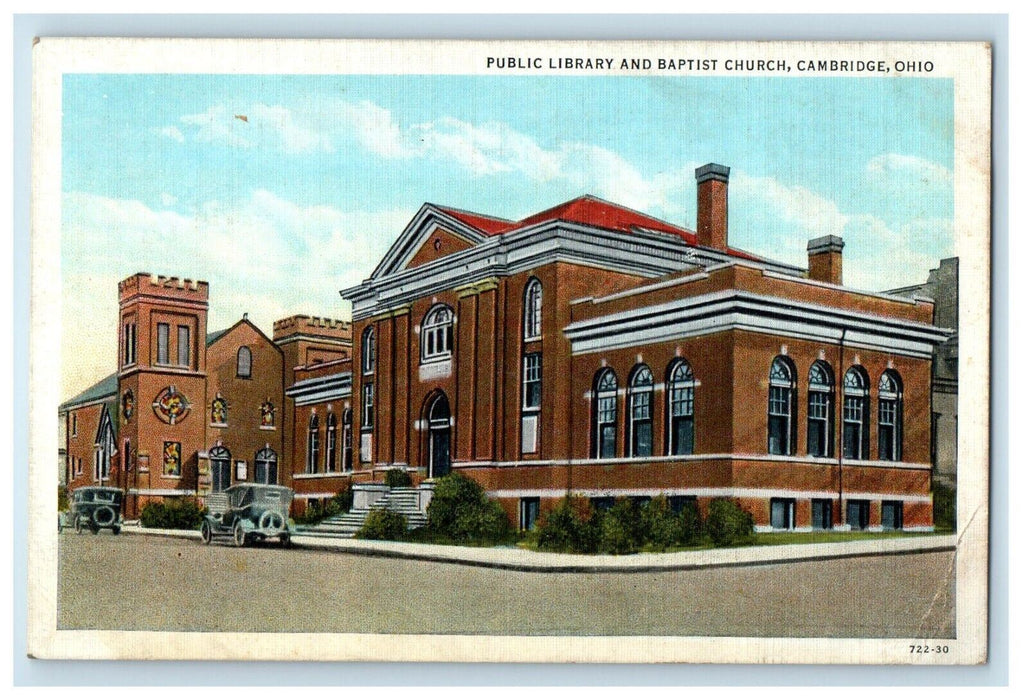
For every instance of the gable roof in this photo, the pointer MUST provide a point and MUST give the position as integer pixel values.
(214, 335)
(105, 388)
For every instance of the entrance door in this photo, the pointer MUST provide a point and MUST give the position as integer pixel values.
(221, 469)
(439, 437)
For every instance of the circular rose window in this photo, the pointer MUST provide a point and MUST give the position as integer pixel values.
(171, 406)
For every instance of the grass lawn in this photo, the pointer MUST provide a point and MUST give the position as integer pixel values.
(820, 536)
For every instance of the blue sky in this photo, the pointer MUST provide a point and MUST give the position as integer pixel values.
(282, 210)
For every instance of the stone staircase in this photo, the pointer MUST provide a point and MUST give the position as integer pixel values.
(403, 500)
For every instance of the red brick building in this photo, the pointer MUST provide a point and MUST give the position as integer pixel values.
(182, 418)
(594, 350)
(588, 349)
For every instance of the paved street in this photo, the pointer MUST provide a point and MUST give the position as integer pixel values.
(149, 583)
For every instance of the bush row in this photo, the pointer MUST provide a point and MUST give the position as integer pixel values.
(172, 514)
(340, 503)
(576, 526)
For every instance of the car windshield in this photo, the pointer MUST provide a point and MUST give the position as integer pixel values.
(106, 496)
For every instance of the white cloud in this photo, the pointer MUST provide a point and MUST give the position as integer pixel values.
(173, 132)
(263, 255)
(375, 129)
(271, 126)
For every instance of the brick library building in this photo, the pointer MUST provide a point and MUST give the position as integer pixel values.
(586, 350)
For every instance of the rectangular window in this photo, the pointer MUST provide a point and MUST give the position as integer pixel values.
(129, 344)
(888, 448)
(779, 420)
(818, 422)
(681, 403)
(680, 503)
(530, 423)
(74, 425)
(853, 427)
(528, 512)
(172, 459)
(183, 346)
(602, 503)
(366, 447)
(893, 515)
(783, 513)
(857, 514)
(606, 409)
(162, 343)
(368, 406)
(532, 381)
(821, 514)
(642, 425)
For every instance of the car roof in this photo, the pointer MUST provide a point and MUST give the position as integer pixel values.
(92, 489)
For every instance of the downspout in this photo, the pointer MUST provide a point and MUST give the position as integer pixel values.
(839, 429)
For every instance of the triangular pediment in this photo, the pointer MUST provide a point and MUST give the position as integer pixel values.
(416, 245)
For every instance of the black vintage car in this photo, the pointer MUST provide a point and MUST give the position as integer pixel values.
(248, 512)
(93, 508)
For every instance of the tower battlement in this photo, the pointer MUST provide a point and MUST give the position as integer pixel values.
(311, 325)
(175, 287)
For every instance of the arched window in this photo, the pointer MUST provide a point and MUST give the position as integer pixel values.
(681, 384)
(438, 334)
(219, 411)
(532, 326)
(890, 415)
(855, 414)
(348, 440)
(312, 445)
(368, 350)
(605, 413)
(780, 407)
(266, 467)
(820, 410)
(641, 412)
(221, 468)
(244, 360)
(330, 442)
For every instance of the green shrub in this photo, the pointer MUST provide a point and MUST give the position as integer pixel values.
(382, 524)
(313, 514)
(621, 530)
(573, 526)
(397, 477)
(692, 525)
(172, 514)
(460, 513)
(728, 523)
(661, 528)
(62, 498)
(945, 512)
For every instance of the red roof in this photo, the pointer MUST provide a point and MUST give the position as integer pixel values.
(588, 210)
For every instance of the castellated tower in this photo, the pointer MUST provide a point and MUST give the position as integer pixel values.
(161, 386)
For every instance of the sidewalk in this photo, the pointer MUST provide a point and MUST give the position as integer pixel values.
(525, 560)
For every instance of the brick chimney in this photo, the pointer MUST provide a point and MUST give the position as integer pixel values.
(825, 259)
(713, 206)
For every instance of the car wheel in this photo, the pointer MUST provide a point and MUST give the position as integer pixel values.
(205, 532)
(78, 524)
(239, 535)
(94, 528)
(116, 529)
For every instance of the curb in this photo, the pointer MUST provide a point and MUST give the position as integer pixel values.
(546, 562)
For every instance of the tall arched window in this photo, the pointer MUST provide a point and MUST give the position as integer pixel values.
(368, 350)
(438, 334)
(820, 410)
(244, 360)
(855, 414)
(266, 466)
(641, 412)
(348, 440)
(330, 442)
(221, 468)
(780, 407)
(312, 445)
(890, 415)
(532, 326)
(681, 384)
(605, 413)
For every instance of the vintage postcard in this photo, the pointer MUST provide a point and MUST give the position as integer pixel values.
(510, 351)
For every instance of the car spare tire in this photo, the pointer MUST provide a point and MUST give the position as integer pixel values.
(104, 516)
(270, 520)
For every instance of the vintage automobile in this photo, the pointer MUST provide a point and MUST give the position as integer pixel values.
(248, 512)
(94, 508)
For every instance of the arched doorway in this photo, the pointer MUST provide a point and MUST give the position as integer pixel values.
(438, 417)
(221, 469)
